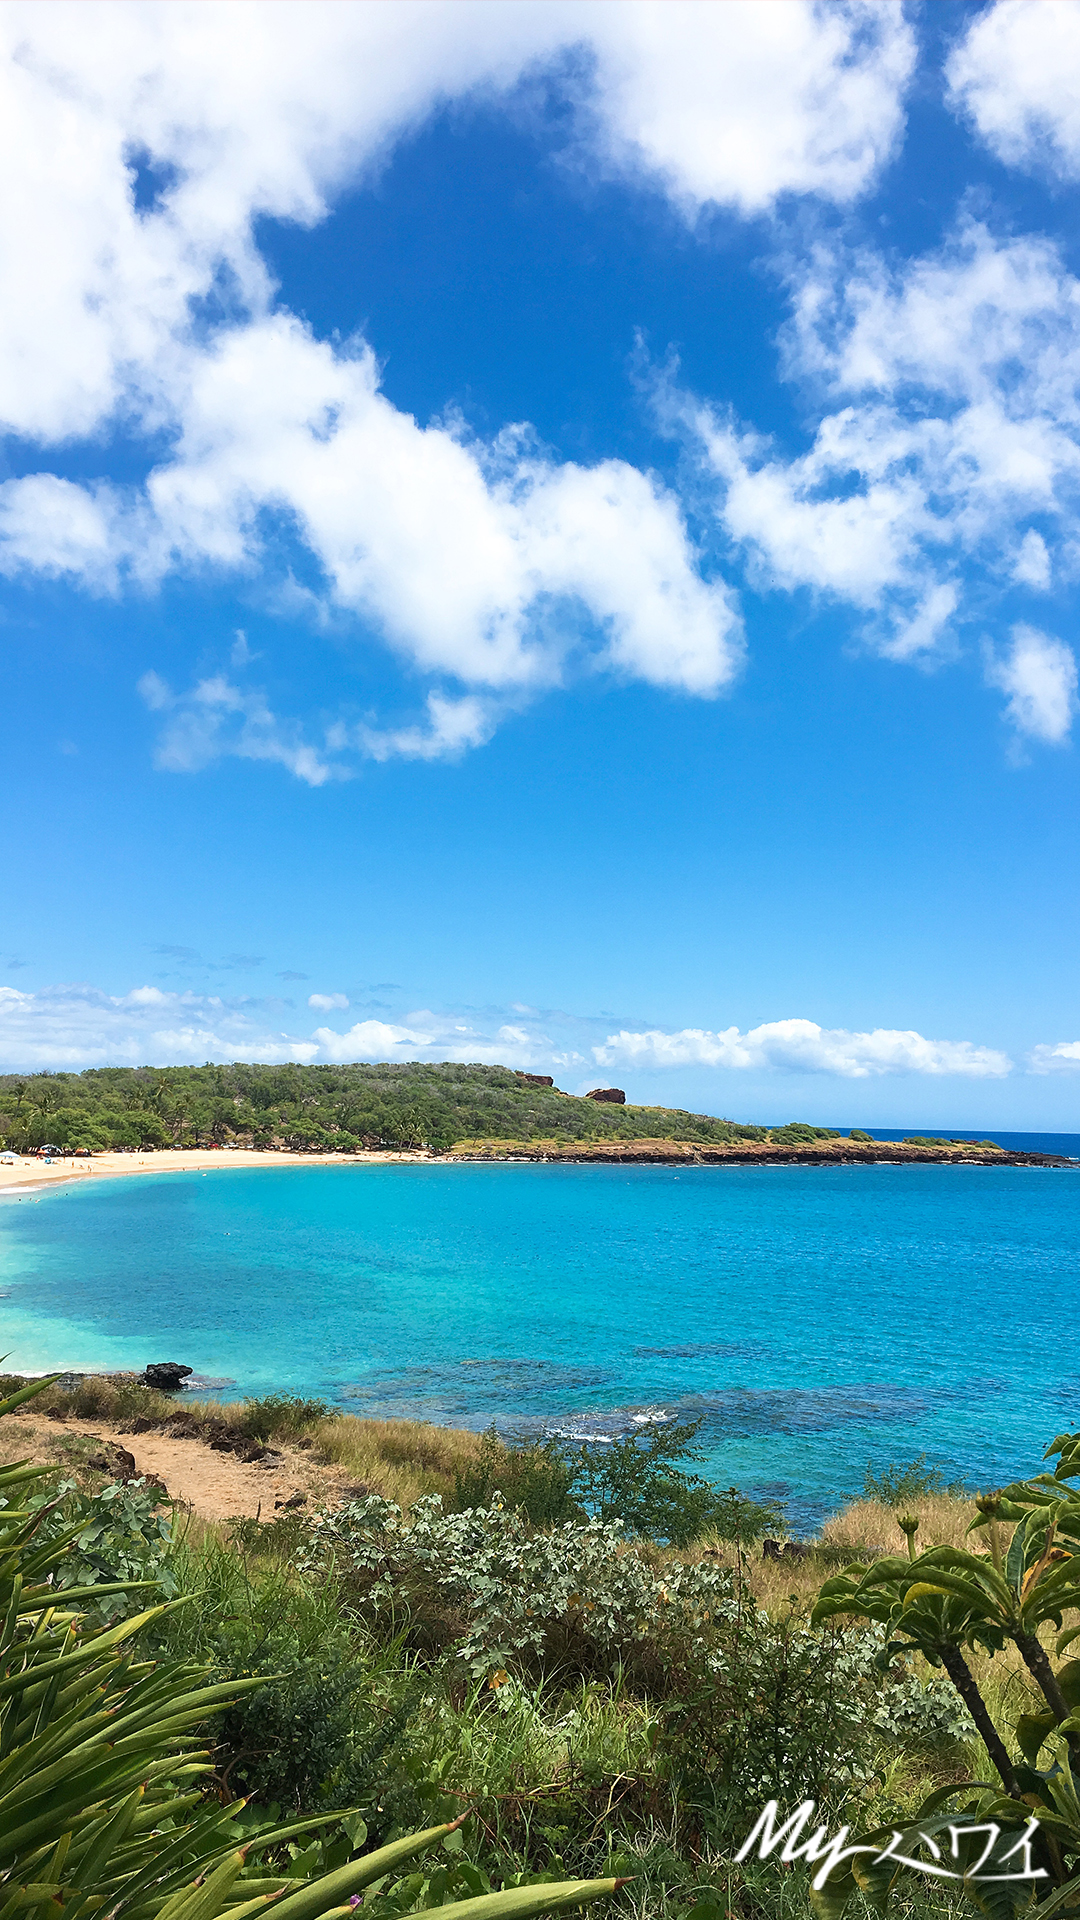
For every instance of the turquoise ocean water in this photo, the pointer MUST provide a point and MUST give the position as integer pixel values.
(819, 1318)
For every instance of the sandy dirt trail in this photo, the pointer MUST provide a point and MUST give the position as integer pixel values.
(216, 1486)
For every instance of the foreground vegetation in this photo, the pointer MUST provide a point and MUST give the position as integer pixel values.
(105, 1761)
(341, 1109)
(517, 1635)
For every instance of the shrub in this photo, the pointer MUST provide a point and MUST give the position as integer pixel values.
(279, 1415)
(640, 1481)
(499, 1593)
(534, 1478)
(899, 1484)
(122, 1535)
(798, 1133)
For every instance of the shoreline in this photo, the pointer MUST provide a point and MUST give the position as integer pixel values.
(37, 1177)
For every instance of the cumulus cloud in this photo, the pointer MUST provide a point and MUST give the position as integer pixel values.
(76, 1027)
(1062, 1057)
(237, 111)
(740, 104)
(800, 1046)
(151, 138)
(1014, 76)
(1039, 675)
(489, 564)
(945, 458)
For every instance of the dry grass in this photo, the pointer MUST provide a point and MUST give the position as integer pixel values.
(401, 1459)
(860, 1531)
(866, 1526)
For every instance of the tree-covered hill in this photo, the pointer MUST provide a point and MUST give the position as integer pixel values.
(330, 1108)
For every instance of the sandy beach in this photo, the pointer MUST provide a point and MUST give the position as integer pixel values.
(29, 1175)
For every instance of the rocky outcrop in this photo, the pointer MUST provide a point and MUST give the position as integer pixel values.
(785, 1549)
(614, 1096)
(536, 1079)
(759, 1153)
(167, 1376)
(120, 1466)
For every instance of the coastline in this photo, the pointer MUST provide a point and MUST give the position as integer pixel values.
(40, 1175)
(36, 1176)
(753, 1153)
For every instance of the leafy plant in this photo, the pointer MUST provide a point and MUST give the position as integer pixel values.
(901, 1484)
(947, 1599)
(534, 1477)
(641, 1481)
(122, 1534)
(500, 1593)
(101, 1805)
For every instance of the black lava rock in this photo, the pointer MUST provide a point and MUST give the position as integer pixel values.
(165, 1375)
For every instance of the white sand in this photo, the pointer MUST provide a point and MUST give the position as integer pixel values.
(36, 1175)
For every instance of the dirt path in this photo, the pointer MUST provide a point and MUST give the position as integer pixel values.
(216, 1486)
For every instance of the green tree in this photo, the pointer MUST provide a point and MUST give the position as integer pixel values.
(642, 1480)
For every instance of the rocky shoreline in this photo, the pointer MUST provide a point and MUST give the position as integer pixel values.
(823, 1153)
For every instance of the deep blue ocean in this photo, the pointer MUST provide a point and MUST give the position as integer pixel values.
(820, 1319)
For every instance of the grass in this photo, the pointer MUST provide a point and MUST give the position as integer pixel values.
(401, 1459)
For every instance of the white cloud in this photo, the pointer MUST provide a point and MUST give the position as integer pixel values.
(216, 718)
(1016, 76)
(490, 564)
(250, 110)
(1039, 675)
(1064, 1057)
(945, 422)
(372, 1040)
(53, 527)
(75, 1027)
(742, 103)
(800, 1046)
(1032, 568)
(452, 727)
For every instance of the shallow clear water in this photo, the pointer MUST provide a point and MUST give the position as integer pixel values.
(819, 1318)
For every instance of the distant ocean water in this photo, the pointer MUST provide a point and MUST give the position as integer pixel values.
(1066, 1145)
(818, 1318)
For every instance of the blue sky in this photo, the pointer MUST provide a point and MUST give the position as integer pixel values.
(547, 533)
